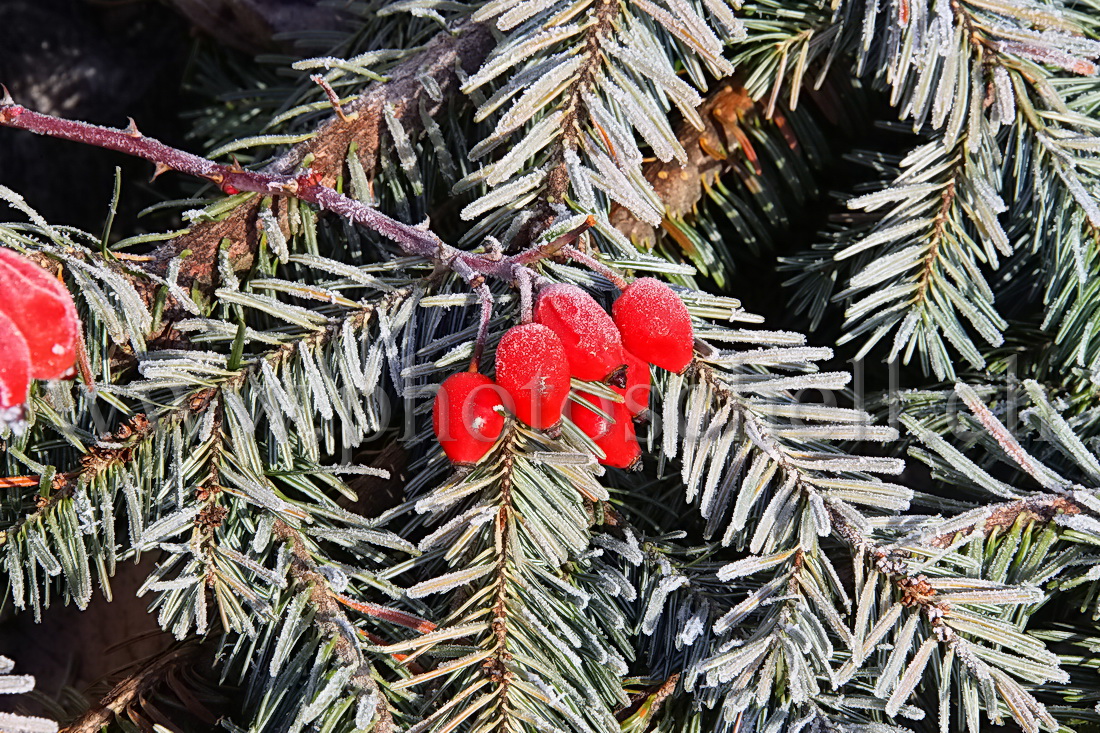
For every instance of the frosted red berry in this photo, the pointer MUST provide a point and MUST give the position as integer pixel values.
(591, 341)
(42, 310)
(615, 437)
(638, 385)
(533, 369)
(655, 324)
(467, 416)
(15, 379)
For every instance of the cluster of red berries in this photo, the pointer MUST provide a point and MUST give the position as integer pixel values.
(39, 331)
(572, 337)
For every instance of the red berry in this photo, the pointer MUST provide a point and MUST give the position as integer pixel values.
(615, 438)
(655, 324)
(592, 342)
(532, 367)
(467, 417)
(638, 384)
(43, 311)
(15, 379)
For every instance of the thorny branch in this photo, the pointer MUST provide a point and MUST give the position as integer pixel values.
(465, 46)
(308, 186)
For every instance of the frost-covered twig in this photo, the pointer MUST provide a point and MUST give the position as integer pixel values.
(458, 50)
(472, 267)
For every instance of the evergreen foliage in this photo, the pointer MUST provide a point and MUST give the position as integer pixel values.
(799, 551)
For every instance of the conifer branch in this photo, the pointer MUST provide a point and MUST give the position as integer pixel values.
(585, 103)
(100, 460)
(1041, 508)
(334, 622)
(119, 449)
(805, 482)
(576, 112)
(497, 667)
(945, 604)
(501, 604)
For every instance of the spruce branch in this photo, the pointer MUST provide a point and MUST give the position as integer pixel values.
(514, 543)
(1040, 509)
(790, 46)
(114, 464)
(580, 94)
(335, 625)
(953, 610)
(960, 71)
(917, 266)
(990, 648)
(576, 111)
(115, 450)
(120, 448)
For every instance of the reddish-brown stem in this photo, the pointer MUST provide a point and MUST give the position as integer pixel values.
(474, 268)
(486, 298)
(393, 615)
(526, 300)
(595, 265)
(132, 142)
(13, 482)
(82, 364)
(333, 98)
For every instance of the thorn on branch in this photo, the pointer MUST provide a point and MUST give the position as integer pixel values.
(493, 250)
(419, 240)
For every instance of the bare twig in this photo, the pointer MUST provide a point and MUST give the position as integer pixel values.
(464, 46)
(308, 186)
(595, 265)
